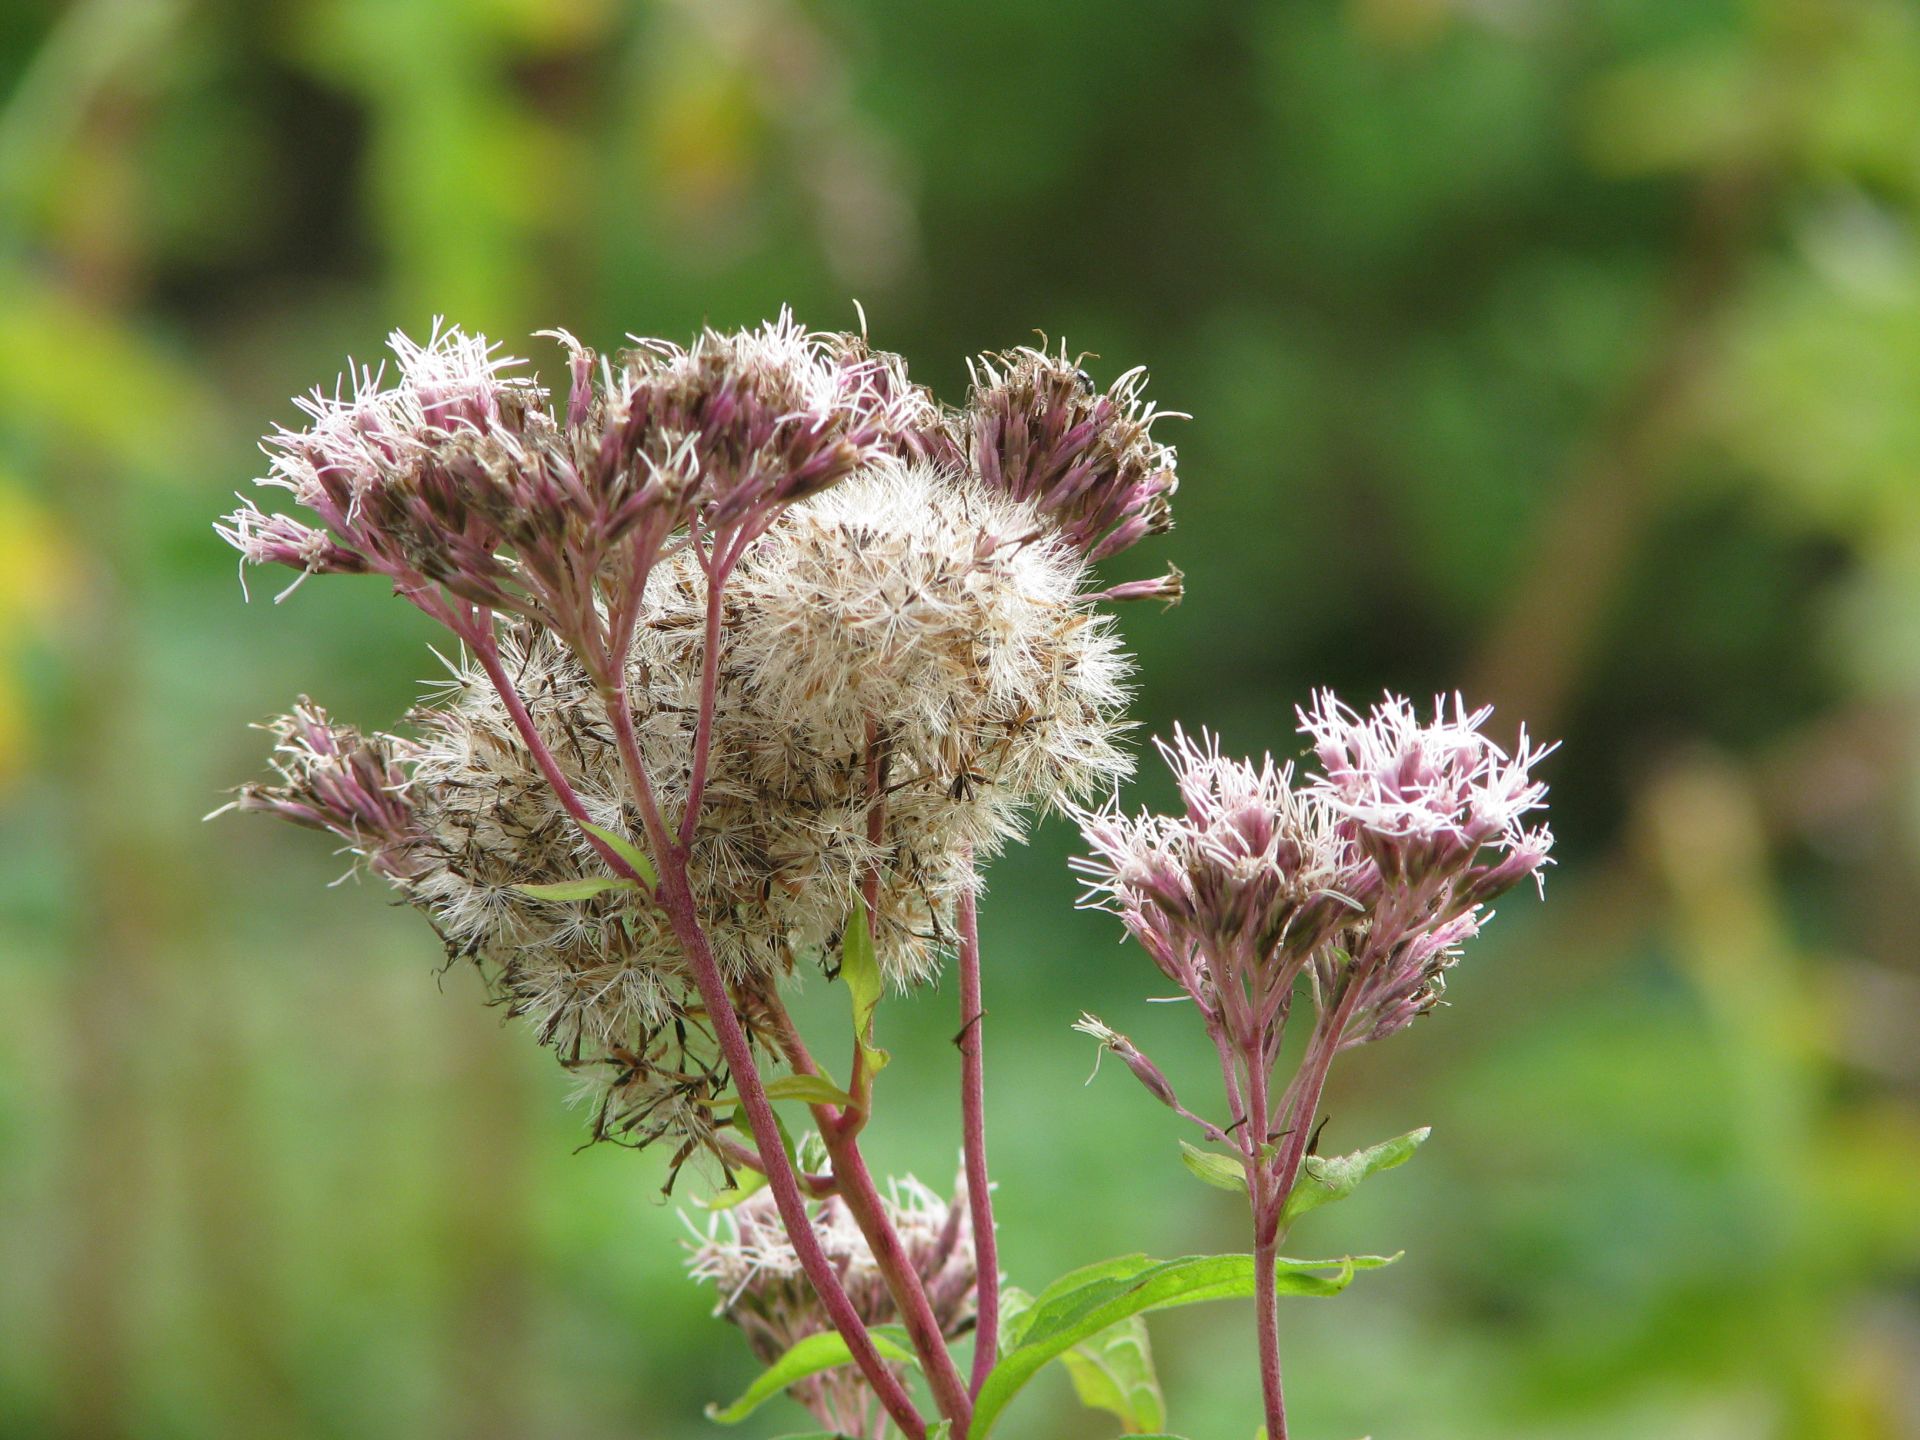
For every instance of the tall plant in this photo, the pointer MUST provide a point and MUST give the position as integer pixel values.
(764, 651)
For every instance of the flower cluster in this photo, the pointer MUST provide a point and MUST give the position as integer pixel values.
(750, 602)
(1366, 877)
(333, 778)
(747, 1256)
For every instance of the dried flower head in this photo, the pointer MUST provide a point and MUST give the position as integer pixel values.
(335, 779)
(897, 624)
(746, 1255)
(1038, 429)
(851, 667)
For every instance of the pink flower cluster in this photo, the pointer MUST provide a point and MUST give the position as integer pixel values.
(1367, 876)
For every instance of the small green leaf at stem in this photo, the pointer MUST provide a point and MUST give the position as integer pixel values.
(746, 1183)
(1113, 1371)
(744, 1124)
(1081, 1305)
(1324, 1180)
(860, 968)
(810, 1356)
(1225, 1172)
(584, 888)
(814, 1089)
(626, 850)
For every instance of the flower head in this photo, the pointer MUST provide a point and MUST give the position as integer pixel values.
(1038, 429)
(1427, 798)
(335, 779)
(745, 1254)
(1368, 876)
(460, 478)
(1242, 887)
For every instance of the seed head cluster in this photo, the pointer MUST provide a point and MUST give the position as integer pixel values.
(870, 658)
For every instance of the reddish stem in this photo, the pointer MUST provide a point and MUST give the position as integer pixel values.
(857, 1189)
(1271, 1188)
(709, 690)
(973, 1110)
(862, 1199)
(773, 1158)
(677, 897)
(485, 647)
(1266, 1300)
(1266, 1247)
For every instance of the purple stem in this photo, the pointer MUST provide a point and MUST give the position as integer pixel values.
(1272, 1188)
(1266, 1248)
(677, 898)
(709, 687)
(973, 1108)
(852, 1180)
(862, 1199)
(484, 646)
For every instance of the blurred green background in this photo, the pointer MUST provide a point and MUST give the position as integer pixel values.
(1564, 350)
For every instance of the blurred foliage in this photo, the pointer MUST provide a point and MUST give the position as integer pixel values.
(1566, 351)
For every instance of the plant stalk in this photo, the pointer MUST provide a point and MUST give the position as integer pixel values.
(973, 1109)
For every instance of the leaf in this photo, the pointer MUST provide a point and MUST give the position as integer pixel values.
(1083, 1304)
(744, 1124)
(746, 1183)
(860, 968)
(810, 1356)
(626, 850)
(1223, 1171)
(1325, 1180)
(1113, 1371)
(582, 889)
(814, 1089)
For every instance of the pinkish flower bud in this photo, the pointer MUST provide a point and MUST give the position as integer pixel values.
(1144, 1070)
(1037, 429)
(335, 779)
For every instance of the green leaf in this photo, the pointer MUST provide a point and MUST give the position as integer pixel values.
(626, 850)
(1015, 1303)
(814, 1089)
(1113, 1371)
(1223, 1171)
(1080, 1306)
(860, 968)
(1324, 1180)
(811, 1154)
(810, 1356)
(744, 1124)
(583, 889)
(747, 1182)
